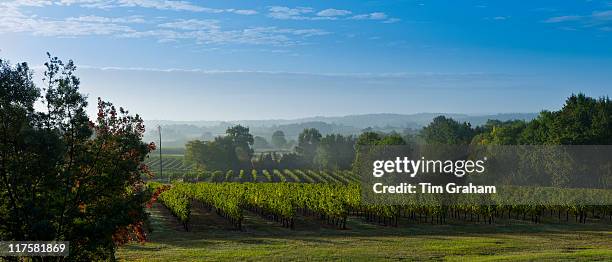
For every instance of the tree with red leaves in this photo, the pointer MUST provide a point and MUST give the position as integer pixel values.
(63, 176)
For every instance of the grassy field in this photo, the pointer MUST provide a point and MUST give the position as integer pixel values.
(210, 238)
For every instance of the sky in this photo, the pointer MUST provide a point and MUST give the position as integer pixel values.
(237, 60)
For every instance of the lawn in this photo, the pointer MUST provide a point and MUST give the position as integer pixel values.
(212, 239)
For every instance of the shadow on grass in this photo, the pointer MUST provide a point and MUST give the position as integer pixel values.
(259, 231)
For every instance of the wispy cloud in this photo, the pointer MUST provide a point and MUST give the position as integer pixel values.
(601, 20)
(242, 11)
(103, 4)
(565, 18)
(100, 19)
(209, 32)
(363, 75)
(192, 24)
(371, 16)
(602, 15)
(333, 12)
(166, 5)
(309, 13)
(391, 20)
(153, 4)
(38, 3)
(202, 32)
(286, 13)
(14, 21)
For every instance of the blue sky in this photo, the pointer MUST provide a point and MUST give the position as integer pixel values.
(226, 60)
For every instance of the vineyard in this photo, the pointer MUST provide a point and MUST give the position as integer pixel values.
(187, 174)
(174, 168)
(333, 203)
(171, 164)
(243, 206)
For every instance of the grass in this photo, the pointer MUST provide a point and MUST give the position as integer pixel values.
(212, 239)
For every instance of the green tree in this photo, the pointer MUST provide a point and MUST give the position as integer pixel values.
(260, 143)
(496, 132)
(308, 141)
(232, 151)
(278, 139)
(335, 152)
(582, 121)
(392, 139)
(240, 136)
(538, 130)
(369, 143)
(291, 161)
(62, 176)
(194, 151)
(368, 138)
(444, 130)
(242, 141)
(372, 139)
(266, 161)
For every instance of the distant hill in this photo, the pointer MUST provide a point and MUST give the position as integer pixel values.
(413, 120)
(177, 133)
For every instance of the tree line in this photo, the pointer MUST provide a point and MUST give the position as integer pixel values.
(582, 121)
(234, 151)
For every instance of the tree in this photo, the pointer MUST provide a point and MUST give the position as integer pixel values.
(232, 151)
(194, 151)
(278, 139)
(368, 138)
(392, 139)
(582, 121)
(335, 152)
(266, 161)
(496, 132)
(62, 176)
(240, 136)
(444, 130)
(260, 143)
(242, 141)
(308, 141)
(370, 144)
(538, 130)
(291, 161)
(411, 137)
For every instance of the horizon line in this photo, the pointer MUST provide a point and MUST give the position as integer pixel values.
(338, 116)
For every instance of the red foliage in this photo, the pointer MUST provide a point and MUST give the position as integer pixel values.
(156, 194)
(131, 233)
(112, 127)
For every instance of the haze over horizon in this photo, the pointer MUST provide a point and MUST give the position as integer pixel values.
(190, 60)
(308, 118)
